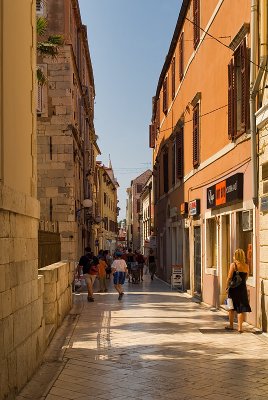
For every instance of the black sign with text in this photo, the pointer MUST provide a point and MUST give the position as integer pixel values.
(225, 192)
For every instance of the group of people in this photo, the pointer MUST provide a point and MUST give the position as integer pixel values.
(123, 263)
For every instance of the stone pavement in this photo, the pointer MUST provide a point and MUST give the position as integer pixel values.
(154, 344)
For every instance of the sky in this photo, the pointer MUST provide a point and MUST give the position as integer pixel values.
(128, 43)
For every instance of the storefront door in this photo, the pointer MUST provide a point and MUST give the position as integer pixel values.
(197, 260)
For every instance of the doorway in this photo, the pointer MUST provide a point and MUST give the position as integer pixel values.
(197, 260)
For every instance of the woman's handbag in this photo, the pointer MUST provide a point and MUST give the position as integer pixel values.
(236, 280)
(229, 303)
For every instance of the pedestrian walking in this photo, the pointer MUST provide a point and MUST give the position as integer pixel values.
(109, 261)
(239, 293)
(151, 263)
(89, 265)
(119, 270)
(140, 260)
(130, 262)
(102, 267)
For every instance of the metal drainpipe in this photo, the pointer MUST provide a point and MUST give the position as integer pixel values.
(252, 102)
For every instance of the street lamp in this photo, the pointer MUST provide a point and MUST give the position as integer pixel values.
(87, 203)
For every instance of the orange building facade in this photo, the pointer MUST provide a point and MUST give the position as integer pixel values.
(200, 136)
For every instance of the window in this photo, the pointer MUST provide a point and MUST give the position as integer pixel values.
(138, 205)
(157, 117)
(196, 137)
(39, 106)
(173, 81)
(152, 134)
(173, 164)
(165, 95)
(211, 243)
(165, 171)
(238, 92)
(180, 158)
(244, 231)
(181, 54)
(196, 24)
(104, 198)
(139, 188)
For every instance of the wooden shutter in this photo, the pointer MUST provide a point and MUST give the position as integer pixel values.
(173, 78)
(173, 163)
(165, 170)
(244, 86)
(180, 159)
(196, 12)
(181, 53)
(196, 136)
(152, 129)
(165, 95)
(230, 100)
(157, 117)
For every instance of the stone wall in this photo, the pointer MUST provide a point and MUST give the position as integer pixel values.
(22, 324)
(263, 224)
(29, 302)
(58, 280)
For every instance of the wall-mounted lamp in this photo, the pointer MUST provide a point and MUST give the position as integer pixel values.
(87, 203)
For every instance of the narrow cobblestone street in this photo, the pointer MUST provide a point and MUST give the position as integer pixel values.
(154, 344)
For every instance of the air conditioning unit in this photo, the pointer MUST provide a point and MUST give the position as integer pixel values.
(247, 220)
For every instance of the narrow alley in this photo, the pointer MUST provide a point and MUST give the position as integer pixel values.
(154, 344)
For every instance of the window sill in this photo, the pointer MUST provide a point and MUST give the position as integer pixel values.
(211, 271)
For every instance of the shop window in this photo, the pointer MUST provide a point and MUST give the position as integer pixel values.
(245, 235)
(211, 243)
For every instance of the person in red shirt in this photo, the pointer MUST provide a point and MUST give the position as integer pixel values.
(90, 271)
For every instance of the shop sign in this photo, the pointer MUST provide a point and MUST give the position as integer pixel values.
(226, 191)
(194, 207)
(184, 208)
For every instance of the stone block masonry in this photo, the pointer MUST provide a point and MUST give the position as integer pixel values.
(25, 295)
(57, 291)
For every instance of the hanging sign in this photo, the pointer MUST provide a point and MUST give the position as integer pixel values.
(184, 208)
(194, 207)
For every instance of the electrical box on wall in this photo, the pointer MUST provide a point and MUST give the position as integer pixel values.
(247, 220)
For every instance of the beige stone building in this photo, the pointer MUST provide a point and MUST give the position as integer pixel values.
(260, 49)
(133, 209)
(66, 138)
(33, 302)
(107, 230)
(146, 216)
(21, 322)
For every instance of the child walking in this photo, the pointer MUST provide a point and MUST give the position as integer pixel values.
(119, 269)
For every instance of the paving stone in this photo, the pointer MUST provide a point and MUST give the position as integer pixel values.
(154, 344)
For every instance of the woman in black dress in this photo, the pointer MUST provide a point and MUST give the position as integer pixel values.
(238, 294)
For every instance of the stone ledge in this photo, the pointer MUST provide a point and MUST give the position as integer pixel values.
(13, 201)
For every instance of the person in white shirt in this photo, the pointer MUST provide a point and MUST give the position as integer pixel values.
(119, 270)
